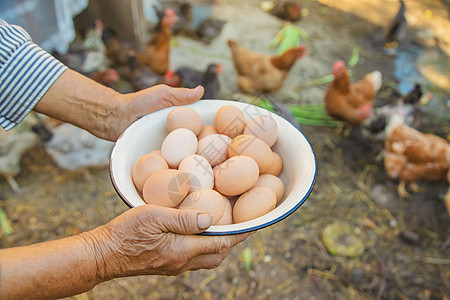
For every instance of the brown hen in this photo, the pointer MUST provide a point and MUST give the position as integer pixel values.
(414, 156)
(351, 103)
(262, 73)
(156, 53)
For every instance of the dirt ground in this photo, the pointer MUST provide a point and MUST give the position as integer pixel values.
(405, 242)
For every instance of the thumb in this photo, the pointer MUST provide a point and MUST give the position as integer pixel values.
(185, 221)
(181, 96)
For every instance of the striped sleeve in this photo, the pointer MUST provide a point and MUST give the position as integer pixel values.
(26, 73)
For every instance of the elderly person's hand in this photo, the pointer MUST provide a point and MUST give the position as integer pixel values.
(145, 240)
(136, 105)
(76, 99)
(151, 240)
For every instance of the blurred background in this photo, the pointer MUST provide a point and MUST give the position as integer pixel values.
(358, 236)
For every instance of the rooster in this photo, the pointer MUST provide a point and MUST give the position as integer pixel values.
(262, 73)
(155, 54)
(412, 156)
(351, 103)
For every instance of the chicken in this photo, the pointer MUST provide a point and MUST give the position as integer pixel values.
(142, 77)
(106, 77)
(90, 55)
(110, 78)
(73, 148)
(155, 54)
(13, 145)
(407, 107)
(396, 31)
(185, 18)
(285, 10)
(414, 156)
(351, 103)
(209, 29)
(205, 31)
(116, 50)
(190, 78)
(262, 73)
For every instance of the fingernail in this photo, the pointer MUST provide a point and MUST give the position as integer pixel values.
(203, 221)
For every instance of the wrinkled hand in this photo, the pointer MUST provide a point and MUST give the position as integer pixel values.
(150, 240)
(131, 107)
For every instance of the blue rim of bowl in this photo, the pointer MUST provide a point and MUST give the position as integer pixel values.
(250, 229)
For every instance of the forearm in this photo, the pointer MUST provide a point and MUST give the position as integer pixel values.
(52, 269)
(78, 100)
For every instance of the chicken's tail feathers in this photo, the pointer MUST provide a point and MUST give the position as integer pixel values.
(232, 43)
(44, 133)
(377, 80)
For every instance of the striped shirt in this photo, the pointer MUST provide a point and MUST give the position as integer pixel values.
(26, 73)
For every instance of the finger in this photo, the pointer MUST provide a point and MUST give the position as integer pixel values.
(208, 261)
(181, 96)
(183, 221)
(215, 244)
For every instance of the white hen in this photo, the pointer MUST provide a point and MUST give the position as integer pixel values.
(75, 149)
(13, 145)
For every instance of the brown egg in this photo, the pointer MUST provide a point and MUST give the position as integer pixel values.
(236, 175)
(230, 120)
(156, 152)
(263, 127)
(184, 117)
(214, 148)
(272, 182)
(254, 147)
(206, 200)
(166, 188)
(146, 166)
(227, 217)
(199, 171)
(276, 166)
(207, 130)
(254, 203)
(177, 145)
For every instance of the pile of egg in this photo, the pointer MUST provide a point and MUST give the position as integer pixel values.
(228, 170)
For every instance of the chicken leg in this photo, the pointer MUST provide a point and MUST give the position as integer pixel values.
(13, 183)
(416, 188)
(401, 190)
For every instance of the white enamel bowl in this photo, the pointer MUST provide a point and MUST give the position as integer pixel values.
(147, 134)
